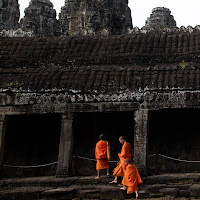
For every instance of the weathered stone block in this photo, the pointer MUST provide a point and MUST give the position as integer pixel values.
(88, 194)
(195, 190)
(161, 179)
(112, 193)
(184, 193)
(59, 194)
(170, 191)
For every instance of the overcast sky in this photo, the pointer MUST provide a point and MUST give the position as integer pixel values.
(185, 12)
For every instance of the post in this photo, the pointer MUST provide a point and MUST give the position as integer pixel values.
(140, 140)
(3, 123)
(66, 146)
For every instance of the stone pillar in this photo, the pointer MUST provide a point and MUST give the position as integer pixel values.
(66, 146)
(140, 140)
(3, 122)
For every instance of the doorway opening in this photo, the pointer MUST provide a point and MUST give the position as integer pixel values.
(31, 140)
(174, 133)
(88, 127)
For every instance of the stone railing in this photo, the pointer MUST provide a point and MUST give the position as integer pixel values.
(16, 33)
(182, 29)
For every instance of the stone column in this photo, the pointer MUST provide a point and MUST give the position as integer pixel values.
(3, 122)
(140, 140)
(66, 146)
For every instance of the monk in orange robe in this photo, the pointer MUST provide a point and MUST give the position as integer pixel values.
(101, 154)
(131, 178)
(126, 152)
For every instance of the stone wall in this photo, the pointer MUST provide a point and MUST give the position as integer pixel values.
(9, 14)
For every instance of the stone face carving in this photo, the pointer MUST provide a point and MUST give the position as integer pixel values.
(40, 17)
(160, 17)
(86, 17)
(9, 14)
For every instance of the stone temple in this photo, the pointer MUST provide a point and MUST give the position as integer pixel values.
(9, 14)
(97, 74)
(84, 17)
(40, 17)
(161, 17)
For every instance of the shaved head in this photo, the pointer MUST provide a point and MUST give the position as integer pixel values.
(102, 137)
(121, 138)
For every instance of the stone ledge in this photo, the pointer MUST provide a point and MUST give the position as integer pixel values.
(170, 191)
(59, 193)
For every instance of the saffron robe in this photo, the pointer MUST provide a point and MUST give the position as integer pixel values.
(131, 179)
(126, 152)
(101, 155)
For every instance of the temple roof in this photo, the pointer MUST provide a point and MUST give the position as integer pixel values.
(137, 49)
(106, 64)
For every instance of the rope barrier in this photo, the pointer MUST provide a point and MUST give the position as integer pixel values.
(84, 158)
(111, 161)
(35, 166)
(175, 159)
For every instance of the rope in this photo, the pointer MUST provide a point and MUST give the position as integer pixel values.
(84, 158)
(111, 161)
(176, 159)
(35, 166)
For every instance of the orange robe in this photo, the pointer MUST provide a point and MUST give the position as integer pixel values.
(132, 179)
(126, 152)
(101, 155)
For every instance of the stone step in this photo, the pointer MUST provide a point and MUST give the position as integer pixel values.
(22, 193)
(51, 188)
(41, 193)
(38, 181)
(98, 192)
(173, 178)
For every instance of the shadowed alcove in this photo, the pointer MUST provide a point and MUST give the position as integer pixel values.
(88, 127)
(174, 133)
(32, 140)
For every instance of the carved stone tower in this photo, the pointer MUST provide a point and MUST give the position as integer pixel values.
(160, 17)
(40, 17)
(95, 17)
(9, 14)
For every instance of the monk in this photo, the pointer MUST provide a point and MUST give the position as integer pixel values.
(126, 152)
(102, 155)
(131, 178)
